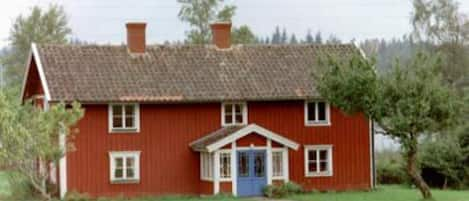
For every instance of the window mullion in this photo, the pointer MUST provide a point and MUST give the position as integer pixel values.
(124, 167)
(318, 161)
(316, 111)
(123, 116)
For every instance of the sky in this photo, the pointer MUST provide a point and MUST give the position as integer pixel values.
(103, 21)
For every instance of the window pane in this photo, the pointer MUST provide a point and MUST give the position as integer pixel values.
(118, 173)
(130, 162)
(312, 167)
(238, 108)
(225, 165)
(129, 110)
(239, 118)
(311, 111)
(322, 111)
(129, 122)
(243, 164)
(259, 164)
(117, 122)
(277, 163)
(228, 119)
(119, 162)
(228, 108)
(130, 173)
(117, 110)
(312, 155)
(323, 167)
(323, 155)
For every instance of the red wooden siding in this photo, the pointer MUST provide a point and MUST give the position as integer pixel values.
(169, 166)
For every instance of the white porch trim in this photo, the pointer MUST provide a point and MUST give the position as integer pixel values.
(216, 172)
(234, 165)
(253, 128)
(269, 161)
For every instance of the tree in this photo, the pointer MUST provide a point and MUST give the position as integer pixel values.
(309, 39)
(293, 39)
(30, 136)
(318, 38)
(407, 102)
(439, 23)
(243, 35)
(200, 13)
(284, 37)
(40, 26)
(276, 36)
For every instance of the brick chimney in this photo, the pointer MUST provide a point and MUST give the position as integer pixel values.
(221, 34)
(136, 37)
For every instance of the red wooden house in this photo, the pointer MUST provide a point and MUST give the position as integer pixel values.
(199, 119)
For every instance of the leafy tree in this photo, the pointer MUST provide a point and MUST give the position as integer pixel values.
(243, 35)
(40, 26)
(440, 23)
(30, 136)
(407, 102)
(200, 13)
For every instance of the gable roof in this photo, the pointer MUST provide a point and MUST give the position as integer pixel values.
(226, 135)
(182, 73)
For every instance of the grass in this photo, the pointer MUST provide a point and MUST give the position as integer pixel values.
(4, 187)
(384, 193)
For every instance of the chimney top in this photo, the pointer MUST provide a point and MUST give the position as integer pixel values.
(221, 34)
(136, 39)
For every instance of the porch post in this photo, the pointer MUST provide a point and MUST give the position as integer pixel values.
(286, 172)
(269, 162)
(216, 172)
(234, 177)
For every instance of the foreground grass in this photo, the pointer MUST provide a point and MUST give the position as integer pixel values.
(4, 187)
(384, 193)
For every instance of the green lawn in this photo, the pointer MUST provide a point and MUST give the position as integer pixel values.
(384, 193)
(4, 190)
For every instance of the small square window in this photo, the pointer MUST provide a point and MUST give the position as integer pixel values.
(234, 114)
(318, 160)
(124, 166)
(317, 113)
(124, 117)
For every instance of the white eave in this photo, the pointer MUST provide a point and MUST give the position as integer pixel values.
(35, 55)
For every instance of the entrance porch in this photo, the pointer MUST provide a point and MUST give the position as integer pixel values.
(243, 159)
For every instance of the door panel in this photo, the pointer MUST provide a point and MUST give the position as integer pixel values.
(251, 172)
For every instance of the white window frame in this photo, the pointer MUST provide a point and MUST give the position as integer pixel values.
(206, 160)
(317, 122)
(134, 129)
(124, 154)
(317, 148)
(228, 154)
(283, 152)
(233, 115)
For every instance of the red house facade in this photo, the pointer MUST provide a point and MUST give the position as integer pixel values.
(199, 119)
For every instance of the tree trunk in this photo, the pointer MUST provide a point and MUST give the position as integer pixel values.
(445, 184)
(414, 173)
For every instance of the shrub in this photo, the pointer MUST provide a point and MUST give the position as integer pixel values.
(390, 168)
(280, 191)
(20, 187)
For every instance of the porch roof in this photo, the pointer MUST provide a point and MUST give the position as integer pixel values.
(226, 135)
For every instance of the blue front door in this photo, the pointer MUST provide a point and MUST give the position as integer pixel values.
(251, 172)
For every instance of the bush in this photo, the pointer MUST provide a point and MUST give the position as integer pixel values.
(20, 187)
(280, 191)
(390, 168)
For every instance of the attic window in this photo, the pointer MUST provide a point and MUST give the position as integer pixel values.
(317, 113)
(234, 114)
(124, 117)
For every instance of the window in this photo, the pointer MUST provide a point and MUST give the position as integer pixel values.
(277, 164)
(318, 160)
(206, 166)
(317, 113)
(225, 165)
(124, 117)
(234, 114)
(125, 167)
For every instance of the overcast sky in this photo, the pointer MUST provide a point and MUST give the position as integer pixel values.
(102, 21)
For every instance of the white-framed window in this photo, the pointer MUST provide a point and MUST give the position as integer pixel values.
(318, 160)
(124, 117)
(277, 164)
(206, 166)
(124, 166)
(234, 114)
(225, 165)
(317, 113)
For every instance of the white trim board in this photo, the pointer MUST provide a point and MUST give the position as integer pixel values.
(253, 128)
